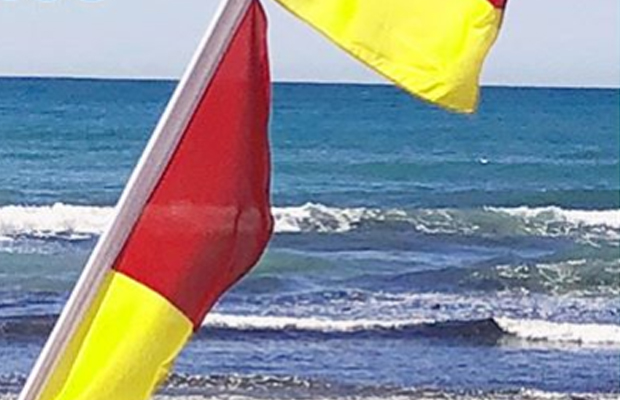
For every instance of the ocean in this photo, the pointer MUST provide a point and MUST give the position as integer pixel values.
(418, 254)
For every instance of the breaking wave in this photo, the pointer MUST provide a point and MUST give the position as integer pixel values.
(78, 222)
(55, 221)
(485, 329)
(490, 330)
(488, 221)
(538, 330)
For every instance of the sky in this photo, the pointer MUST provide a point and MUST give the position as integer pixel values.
(543, 42)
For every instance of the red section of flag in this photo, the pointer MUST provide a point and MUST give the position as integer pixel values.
(498, 3)
(208, 220)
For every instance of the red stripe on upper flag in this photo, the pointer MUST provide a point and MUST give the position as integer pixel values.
(498, 3)
(208, 220)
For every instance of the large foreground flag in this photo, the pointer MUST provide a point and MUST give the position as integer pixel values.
(194, 219)
(431, 48)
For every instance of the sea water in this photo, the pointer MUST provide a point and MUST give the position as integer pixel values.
(417, 253)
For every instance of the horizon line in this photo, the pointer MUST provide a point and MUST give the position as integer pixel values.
(121, 78)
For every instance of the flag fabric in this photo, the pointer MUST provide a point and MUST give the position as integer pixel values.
(432, 48)
(205, 224)
(206, 220)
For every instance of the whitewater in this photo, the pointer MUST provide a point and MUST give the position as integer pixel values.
(525, 329)
(74, 221)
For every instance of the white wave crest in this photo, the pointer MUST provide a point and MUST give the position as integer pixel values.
(546, 221)
(592, 218)
(530, 330)
(46, 221)
(275, 323)
(589, 225)
(320, 218)
(539, 330)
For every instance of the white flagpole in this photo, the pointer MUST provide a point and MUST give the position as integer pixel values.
(143, 180)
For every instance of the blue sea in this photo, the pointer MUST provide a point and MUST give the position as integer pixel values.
(418, 254)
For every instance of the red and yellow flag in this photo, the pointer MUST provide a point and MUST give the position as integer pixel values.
(196, 214)
(431, 48)
(205, 224)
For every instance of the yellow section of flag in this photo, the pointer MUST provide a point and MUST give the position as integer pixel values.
(124, 346)
(431, 48)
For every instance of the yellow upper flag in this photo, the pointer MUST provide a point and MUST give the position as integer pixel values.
(431, 48)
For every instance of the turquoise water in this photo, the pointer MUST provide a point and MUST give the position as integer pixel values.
(417, 253)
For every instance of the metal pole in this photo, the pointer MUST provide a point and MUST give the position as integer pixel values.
(144, 178)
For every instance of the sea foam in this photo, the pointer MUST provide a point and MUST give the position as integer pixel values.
(280, 323)
(57, 219)
(608, 218)
(539, 330)
(524, 329)
(76, 220)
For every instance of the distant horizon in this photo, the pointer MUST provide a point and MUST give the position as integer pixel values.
(299, 81)
(576, 45)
